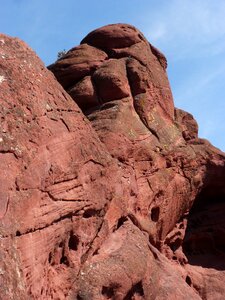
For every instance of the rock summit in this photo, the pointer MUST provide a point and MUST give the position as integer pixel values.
(106, 190)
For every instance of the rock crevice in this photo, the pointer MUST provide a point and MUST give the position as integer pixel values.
(107, 192)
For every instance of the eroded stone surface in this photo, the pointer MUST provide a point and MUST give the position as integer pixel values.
(54, 180)
(122, 201)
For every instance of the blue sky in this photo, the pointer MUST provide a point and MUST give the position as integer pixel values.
(190, 33)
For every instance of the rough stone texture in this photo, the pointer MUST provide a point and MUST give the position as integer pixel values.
(121, 200)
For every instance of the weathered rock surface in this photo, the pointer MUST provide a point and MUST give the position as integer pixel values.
(117, 199)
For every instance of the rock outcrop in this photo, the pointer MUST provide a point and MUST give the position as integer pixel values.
(106, 190)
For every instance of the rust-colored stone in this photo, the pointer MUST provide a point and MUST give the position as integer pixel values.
(121, 200)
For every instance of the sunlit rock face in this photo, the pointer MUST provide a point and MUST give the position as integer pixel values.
(106, 190)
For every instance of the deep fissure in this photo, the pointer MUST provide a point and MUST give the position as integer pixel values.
(204, 241)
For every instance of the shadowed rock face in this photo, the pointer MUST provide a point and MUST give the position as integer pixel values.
(117, 199)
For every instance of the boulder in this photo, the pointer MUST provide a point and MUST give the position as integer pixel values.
(107, 192)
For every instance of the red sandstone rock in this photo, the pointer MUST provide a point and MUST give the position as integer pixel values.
(54, 180)
(84, 93)
(188, 125)
(111, 80)
(123, 203)
(111, 36)
(77, 63)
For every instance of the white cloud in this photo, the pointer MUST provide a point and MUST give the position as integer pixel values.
(185, 26)
(192, 36)
(198, 82)
(158, 32)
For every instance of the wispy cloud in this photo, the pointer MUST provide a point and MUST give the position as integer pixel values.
(195, 84)
(192, 35)
(183, 26)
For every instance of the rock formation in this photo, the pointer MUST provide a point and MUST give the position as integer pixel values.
(106, 190)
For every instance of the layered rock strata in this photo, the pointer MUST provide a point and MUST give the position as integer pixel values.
(106, 190)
